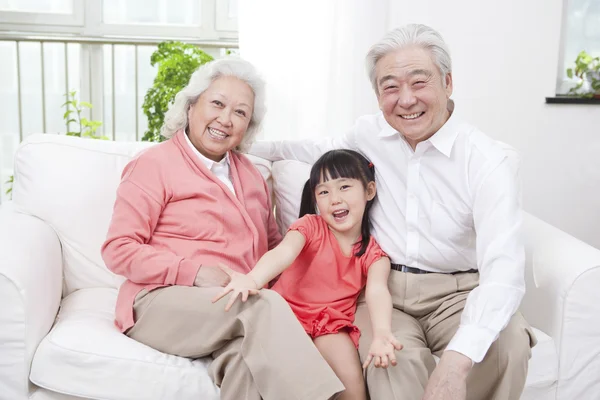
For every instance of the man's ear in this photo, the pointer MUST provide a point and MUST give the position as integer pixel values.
(371, 190)
(449, 86)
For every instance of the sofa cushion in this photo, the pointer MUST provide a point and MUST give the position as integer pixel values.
(70, 183)
(543, 369)
(84, 355)
(288, 181)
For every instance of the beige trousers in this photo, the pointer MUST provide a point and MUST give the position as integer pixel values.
(259, 348)
(426, 315)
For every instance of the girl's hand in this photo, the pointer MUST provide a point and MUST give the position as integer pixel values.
(382, 351)
(239, 284)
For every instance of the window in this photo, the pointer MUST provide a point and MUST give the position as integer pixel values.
(37, 6)
(101, 49)
(155, 12)
(580, 31)
(16, 13)
(198, 19)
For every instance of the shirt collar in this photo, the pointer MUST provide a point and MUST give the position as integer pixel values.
(205, 160)
(442, 140)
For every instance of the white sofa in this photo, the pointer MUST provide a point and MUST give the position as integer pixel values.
(57, 339)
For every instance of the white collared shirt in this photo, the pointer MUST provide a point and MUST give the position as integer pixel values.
(220, 169)
(451, 205)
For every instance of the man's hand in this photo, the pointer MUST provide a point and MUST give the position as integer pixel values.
(240, 284)
(449, 379)
(382, 351)
(211, 276)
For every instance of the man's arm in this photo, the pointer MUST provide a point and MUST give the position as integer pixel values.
(501, 262)
(307, 151)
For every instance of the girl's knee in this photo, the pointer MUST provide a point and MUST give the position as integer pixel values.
(355, 387)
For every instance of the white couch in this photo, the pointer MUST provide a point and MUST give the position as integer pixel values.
(57, 339)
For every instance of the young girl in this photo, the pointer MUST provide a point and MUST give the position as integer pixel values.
(325, 260)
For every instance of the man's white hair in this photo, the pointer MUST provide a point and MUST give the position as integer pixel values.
(176, 117)
(410, 35)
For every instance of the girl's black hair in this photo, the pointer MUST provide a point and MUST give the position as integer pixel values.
(340, 164)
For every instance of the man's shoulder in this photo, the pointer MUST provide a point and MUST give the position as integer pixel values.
(478, 143)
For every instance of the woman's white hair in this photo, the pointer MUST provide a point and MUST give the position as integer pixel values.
(410, 35)
(176, 117)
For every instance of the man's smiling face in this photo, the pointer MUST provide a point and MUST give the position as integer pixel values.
(412, 94)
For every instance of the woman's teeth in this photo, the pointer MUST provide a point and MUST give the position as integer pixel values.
(217, 134)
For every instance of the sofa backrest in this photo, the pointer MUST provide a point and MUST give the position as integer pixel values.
(288, 181)
(70, 183)
(289, 178)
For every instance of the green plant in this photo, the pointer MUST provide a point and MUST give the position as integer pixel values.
(83, 126)
(176, 62)
(587, 69)
(9, 182)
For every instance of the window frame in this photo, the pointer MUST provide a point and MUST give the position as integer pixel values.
(86, 20)
(17, 18)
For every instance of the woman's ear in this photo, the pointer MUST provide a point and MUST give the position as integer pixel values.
(371, 190)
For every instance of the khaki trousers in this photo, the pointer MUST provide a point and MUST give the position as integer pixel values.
(426, 315)
(259, 348)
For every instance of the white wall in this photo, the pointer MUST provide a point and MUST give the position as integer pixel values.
(505, 56)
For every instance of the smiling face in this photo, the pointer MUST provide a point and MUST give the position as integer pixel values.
(411, 93)
(341, 202)
(220, 117)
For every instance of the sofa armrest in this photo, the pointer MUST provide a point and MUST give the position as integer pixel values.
(30, 294)
(563, 300)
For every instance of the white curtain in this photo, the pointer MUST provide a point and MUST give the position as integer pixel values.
(312, 55)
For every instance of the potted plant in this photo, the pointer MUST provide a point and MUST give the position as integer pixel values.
(587, 70)
(176, 62)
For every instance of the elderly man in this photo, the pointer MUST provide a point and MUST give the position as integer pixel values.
(449, 217)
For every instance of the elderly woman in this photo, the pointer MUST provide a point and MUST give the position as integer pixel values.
(183, 208)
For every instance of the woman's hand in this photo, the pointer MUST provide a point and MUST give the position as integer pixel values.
(211, 276)
(382, 351)
(240, 284)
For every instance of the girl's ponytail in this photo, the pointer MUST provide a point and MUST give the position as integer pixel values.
(307, 204)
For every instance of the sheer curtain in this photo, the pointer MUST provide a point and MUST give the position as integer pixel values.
(311, 54)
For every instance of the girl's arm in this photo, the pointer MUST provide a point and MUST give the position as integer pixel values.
(379, 300)
(379, 303)
(273, 263)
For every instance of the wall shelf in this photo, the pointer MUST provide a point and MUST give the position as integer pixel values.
(571, 100)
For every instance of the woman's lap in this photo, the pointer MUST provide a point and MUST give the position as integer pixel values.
(183, 321)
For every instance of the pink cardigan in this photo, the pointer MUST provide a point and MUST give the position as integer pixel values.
(172, 215)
